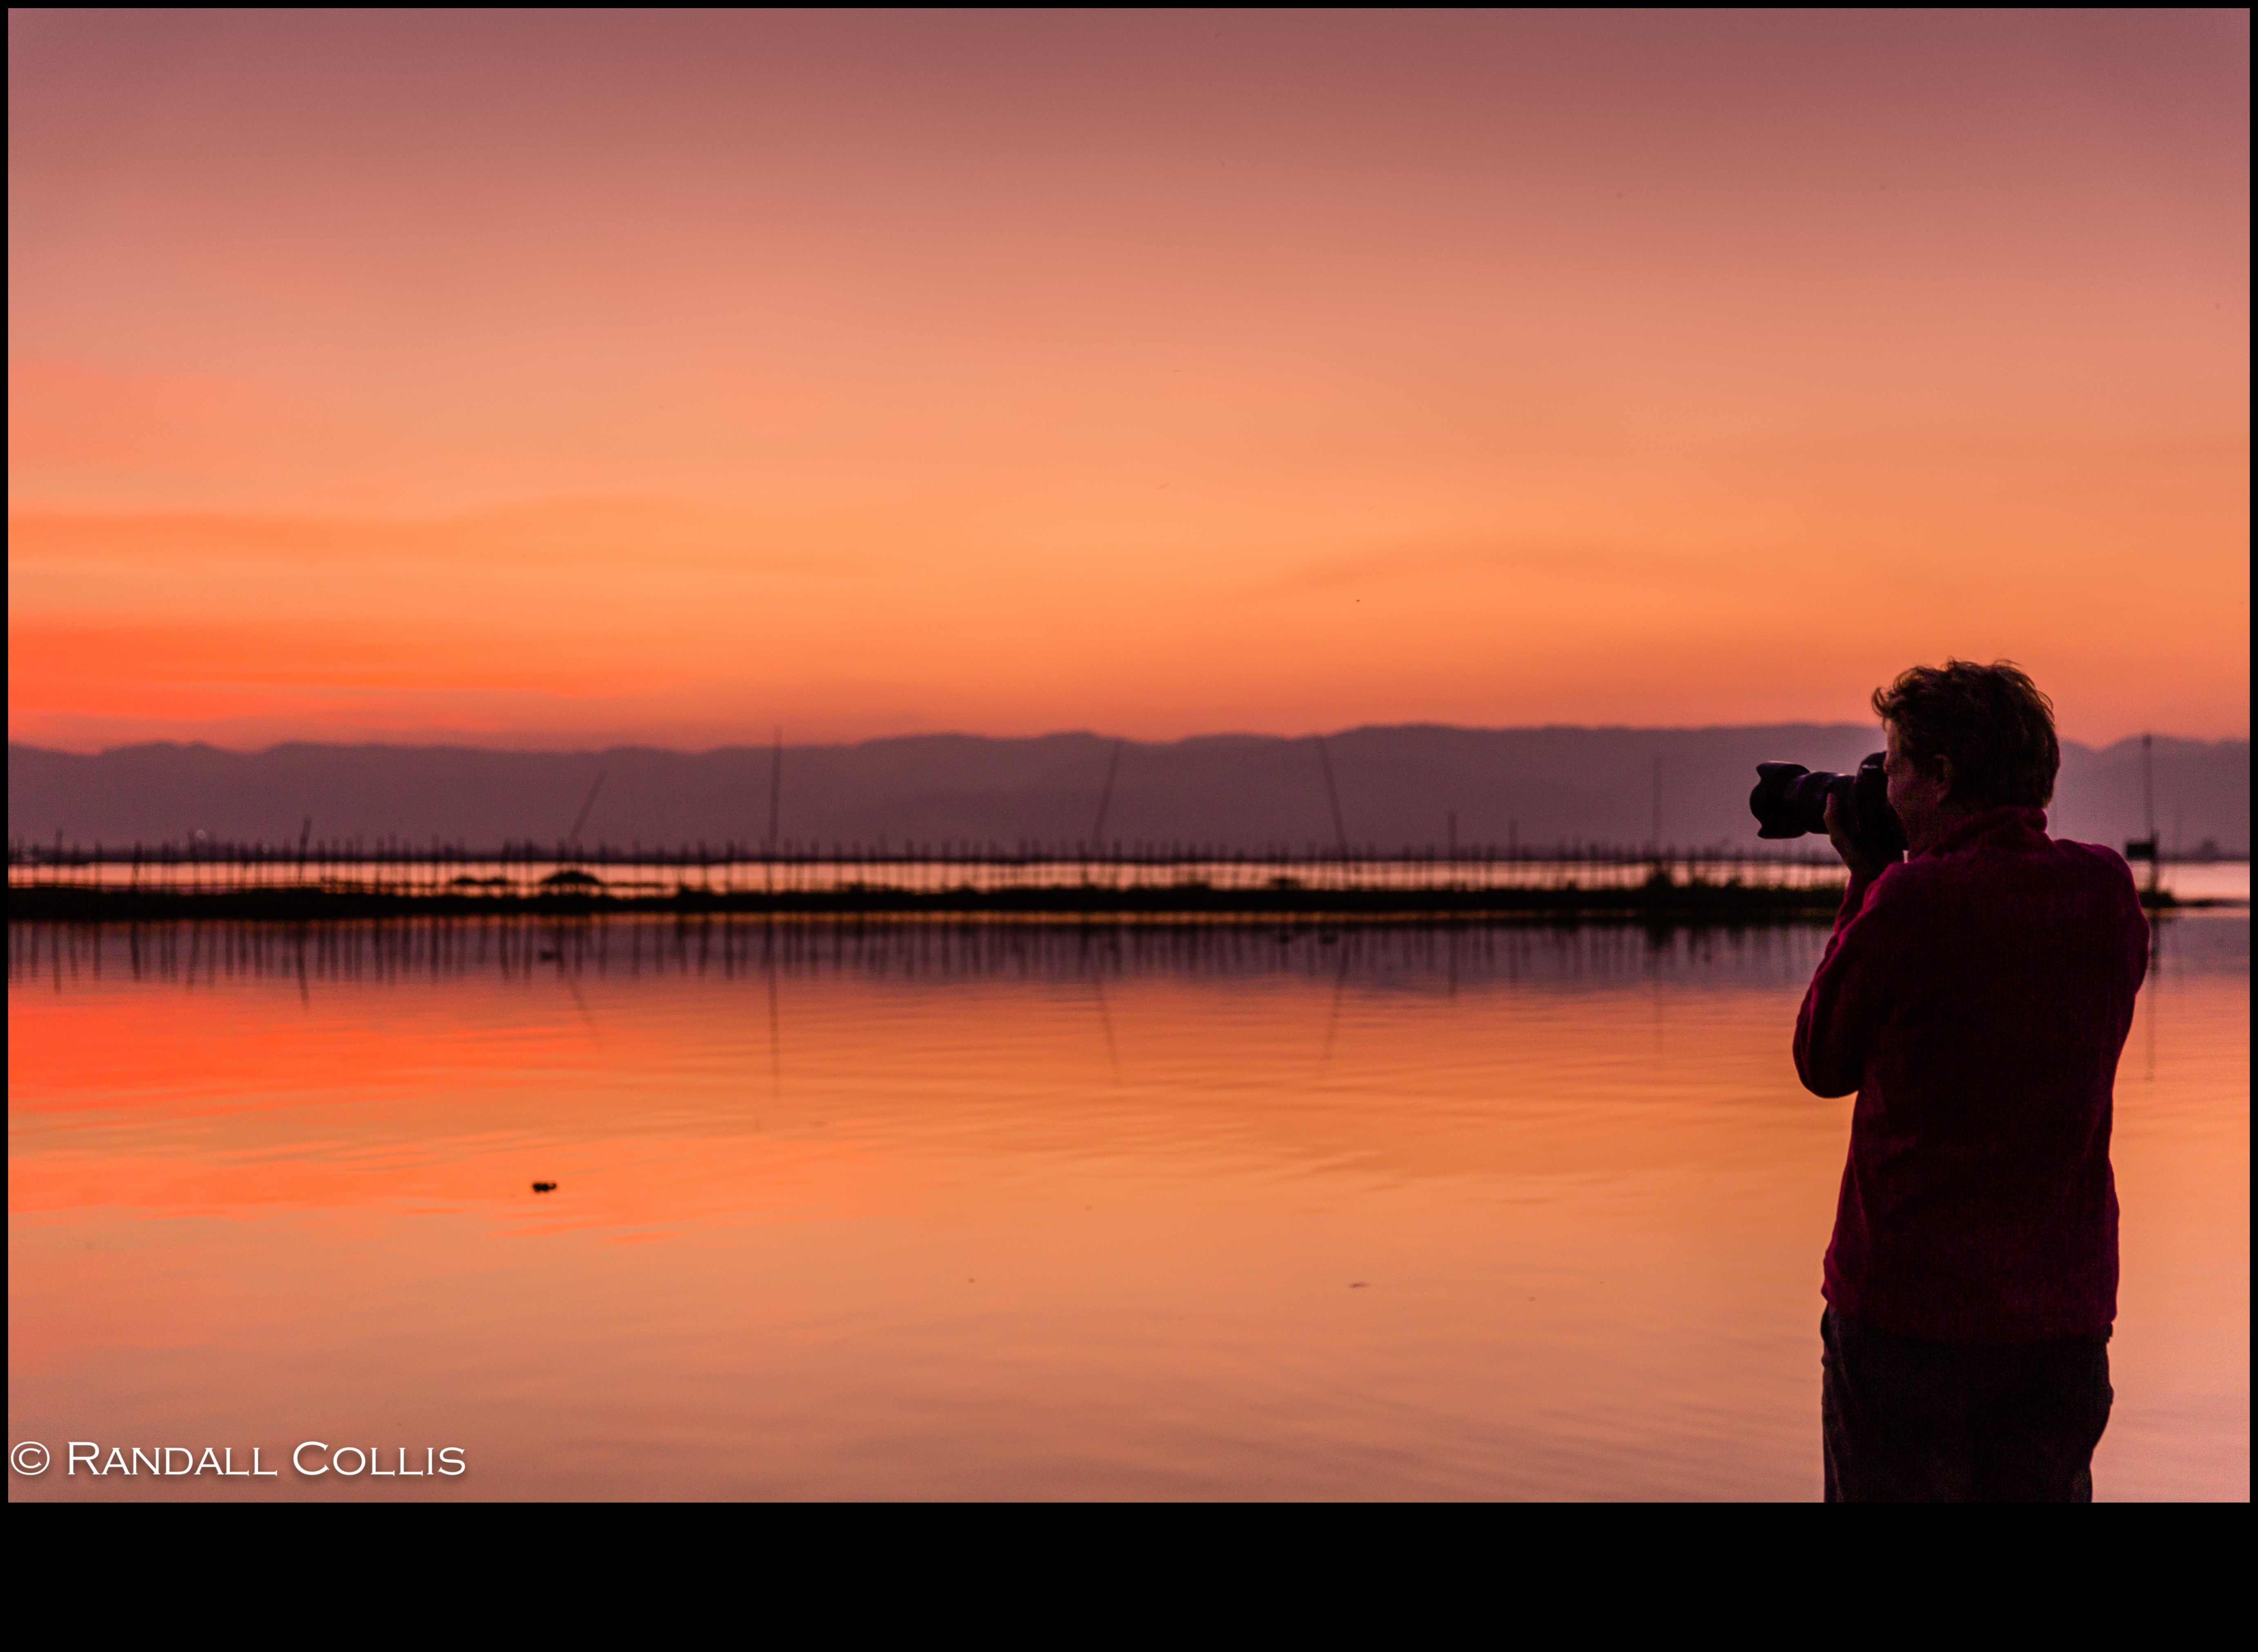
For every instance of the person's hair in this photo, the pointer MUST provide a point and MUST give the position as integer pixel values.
(1990, 719)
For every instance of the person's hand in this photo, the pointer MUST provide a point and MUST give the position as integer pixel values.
(1863, 868)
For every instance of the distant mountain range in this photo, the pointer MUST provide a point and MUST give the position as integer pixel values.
(1417, 786)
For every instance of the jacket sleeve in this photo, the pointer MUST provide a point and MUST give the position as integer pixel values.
(1849, 996)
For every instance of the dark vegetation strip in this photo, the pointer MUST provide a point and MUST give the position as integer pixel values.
(83, 905)
(1690, 900)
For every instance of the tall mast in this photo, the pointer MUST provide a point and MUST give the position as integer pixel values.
(2148, 811)
(1332, 796)
(1656, 840)
(1105, 796)
(776, 787)
(775, 803)
(2149, 784)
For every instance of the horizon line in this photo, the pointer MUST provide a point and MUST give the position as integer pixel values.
(757, 744)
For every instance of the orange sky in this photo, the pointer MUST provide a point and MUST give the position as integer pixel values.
(524, 379)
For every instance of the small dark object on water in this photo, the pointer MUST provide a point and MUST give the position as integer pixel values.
(549, 958)
(544, 1187)
(1327, 940)
(1357, 1285)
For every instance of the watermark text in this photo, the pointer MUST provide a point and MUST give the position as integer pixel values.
(310, 1459)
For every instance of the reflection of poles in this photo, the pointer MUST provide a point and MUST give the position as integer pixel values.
(579, 1001)
(2155, 968)
(1654, 974)
(1332, 1017)
(775, 1020)
(1106, 1021)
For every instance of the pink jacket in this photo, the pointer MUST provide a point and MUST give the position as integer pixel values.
(1976, 1000)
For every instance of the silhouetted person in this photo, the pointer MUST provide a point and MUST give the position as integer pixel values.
(1976, 995)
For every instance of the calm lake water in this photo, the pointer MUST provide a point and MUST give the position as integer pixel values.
(1003, 1211)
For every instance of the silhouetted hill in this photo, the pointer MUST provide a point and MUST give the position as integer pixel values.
(1397, 786)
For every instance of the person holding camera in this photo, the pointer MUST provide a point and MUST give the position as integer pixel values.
(1975, 994)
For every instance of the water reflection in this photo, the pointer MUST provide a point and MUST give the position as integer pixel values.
(934, 1209)
(725, 948)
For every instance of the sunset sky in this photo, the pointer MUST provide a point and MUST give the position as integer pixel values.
(521, 380)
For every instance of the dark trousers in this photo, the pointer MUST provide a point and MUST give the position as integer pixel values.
(1910, 1422)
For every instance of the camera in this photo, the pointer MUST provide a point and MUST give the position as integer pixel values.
(1790, 800)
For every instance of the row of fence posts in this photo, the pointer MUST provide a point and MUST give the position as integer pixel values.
(391, 866)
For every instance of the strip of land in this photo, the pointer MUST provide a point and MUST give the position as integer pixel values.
(1715, 902)
(1656, 901)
